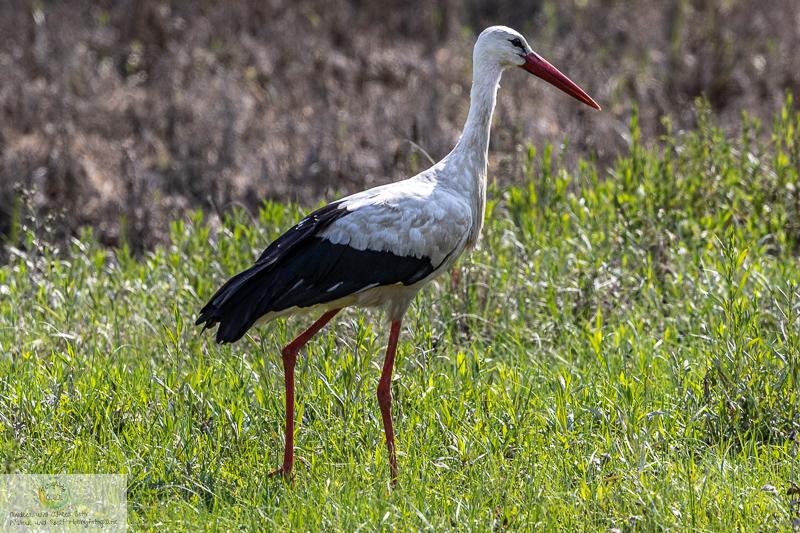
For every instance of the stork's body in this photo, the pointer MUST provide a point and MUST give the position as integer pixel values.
(378, 248)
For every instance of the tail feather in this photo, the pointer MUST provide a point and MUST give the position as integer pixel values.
(244, 298)
(234, 306)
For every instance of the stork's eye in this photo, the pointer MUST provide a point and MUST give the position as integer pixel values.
(516, 42)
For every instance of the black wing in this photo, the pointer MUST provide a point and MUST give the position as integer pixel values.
(301, 269)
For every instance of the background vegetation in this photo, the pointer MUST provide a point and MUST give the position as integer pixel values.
(124, 115)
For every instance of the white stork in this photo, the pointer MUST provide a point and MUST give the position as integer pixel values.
(379, 247)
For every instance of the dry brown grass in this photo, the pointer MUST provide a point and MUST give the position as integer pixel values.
(136, 111)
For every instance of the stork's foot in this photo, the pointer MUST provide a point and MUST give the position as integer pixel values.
(285, 473)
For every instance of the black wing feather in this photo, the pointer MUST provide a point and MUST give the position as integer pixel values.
(301, 269)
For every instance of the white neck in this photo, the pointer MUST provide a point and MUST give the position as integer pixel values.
(474, 142)
(465, 167)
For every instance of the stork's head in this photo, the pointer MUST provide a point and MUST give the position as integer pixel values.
(508, 48)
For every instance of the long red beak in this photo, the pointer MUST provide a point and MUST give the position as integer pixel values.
(536, 65)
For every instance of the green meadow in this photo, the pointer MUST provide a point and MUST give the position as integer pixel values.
(619, 354)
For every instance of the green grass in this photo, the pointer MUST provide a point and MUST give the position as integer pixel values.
(621, 352)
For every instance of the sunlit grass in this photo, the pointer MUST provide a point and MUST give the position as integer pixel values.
(621, 352)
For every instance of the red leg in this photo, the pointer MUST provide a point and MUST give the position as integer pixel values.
(385, 397)
(289, 354)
